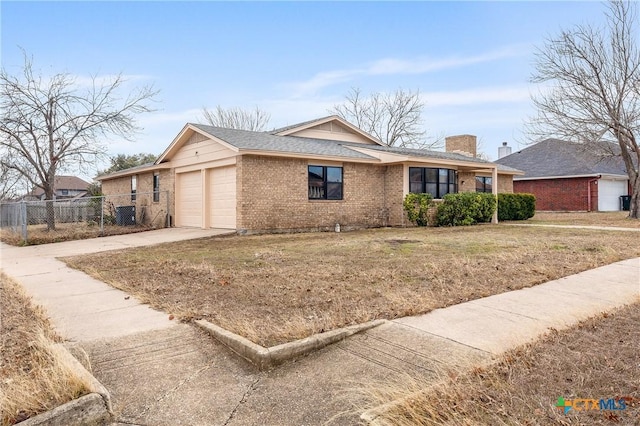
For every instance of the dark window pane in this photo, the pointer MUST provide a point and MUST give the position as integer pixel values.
(334, 191)
(431, 175)
(443, 175)
(415, 174)
(334, 174)
(415, 187)
(431, 188)
(444, 187)
(452, 188)
(316, 172)
(452, 176)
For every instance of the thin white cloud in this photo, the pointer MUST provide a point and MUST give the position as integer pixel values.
(395, 66)
(425, 65)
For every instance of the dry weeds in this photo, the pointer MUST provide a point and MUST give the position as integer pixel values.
(615, 219)
(596, 359)
(38, 234)
(277, 288)
(33, 380)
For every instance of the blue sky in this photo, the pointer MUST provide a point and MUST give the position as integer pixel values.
(471, 61)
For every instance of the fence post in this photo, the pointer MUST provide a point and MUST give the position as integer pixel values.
(102, 216)
(23, 213)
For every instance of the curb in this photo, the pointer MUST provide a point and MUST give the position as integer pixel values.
(266, 358)
(91, 409)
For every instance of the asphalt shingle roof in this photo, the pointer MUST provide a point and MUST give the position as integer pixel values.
(263, 141)
(244, 139)
(554, 157)
(72, 183)
(293, 126)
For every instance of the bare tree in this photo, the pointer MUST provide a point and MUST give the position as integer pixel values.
(54, 123)
(393, 118)
(236, 118)
(9, 182)
(594, 90)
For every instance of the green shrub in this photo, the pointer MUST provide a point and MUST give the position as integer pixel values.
(465, 208)
(516, 206)
(417, 206)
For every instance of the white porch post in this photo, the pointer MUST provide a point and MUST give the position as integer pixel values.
(494, 191)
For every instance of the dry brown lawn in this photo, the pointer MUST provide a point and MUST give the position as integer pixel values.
(277, 288)
(599, 358)
(32, 380)
(615, 219)
(38, 234)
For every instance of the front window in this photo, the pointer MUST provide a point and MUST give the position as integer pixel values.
(325, 183)
(483, 184)
(134, 185)
(156, 187)
(431, 180)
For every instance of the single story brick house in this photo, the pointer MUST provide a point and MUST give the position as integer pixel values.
(311, 175)
(568, 176)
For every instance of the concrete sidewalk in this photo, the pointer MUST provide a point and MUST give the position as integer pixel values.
(160, 372)
(83, 308)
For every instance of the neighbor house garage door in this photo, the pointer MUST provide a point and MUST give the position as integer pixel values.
(609, 192)
(222, 197)
(189, 199)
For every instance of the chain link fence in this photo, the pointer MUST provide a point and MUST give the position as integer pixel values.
(37, 222)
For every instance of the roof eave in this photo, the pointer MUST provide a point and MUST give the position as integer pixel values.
(590, 175)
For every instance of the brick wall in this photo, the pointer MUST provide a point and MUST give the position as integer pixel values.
(505, 183)
(466, 182)
(148, 212)
(560, 194)
(273, 194)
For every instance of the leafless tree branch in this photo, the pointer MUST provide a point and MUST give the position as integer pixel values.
(393, 118)
(49, 124)
(236, 118)
(592, 88)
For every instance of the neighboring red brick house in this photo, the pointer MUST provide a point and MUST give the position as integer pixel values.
(312, 175)
(566, 176)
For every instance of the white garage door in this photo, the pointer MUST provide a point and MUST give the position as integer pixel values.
(189, 199)
(609, 192)
(222, 197)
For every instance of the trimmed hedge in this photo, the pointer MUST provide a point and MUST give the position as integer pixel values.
(417, 206)
(516, 206)
(465, 208)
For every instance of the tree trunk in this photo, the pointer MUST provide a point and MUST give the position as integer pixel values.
(634, 206)
(50, 212)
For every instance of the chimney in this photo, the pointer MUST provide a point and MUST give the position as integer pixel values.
(504, 150)
(461, 144)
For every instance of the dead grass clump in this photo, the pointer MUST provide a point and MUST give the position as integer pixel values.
(277, 288)
(38, 234)
(613, 219)
(596, 359)
(33, 379)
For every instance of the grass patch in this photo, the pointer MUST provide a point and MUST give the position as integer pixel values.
(38, 234)
(615, 219)
(596, 359)
(277, 288)
(32, 379)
